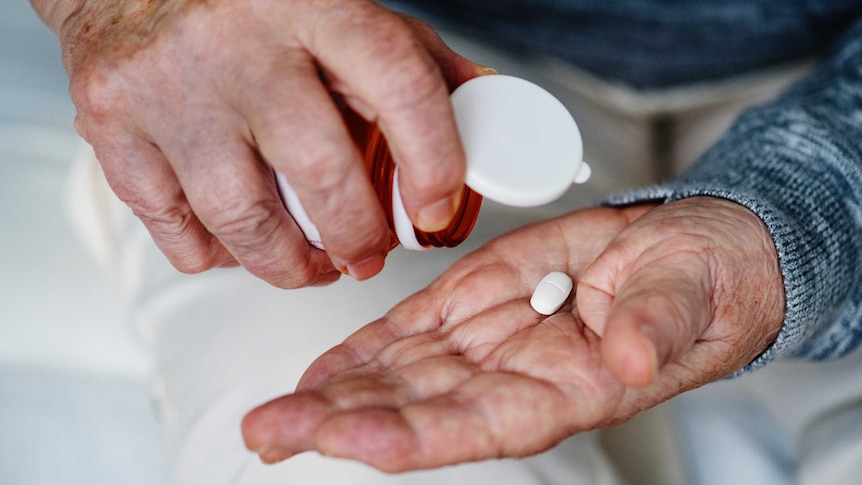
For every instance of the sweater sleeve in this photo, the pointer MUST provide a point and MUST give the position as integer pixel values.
(797, 163)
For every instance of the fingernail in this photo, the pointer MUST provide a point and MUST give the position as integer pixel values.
(273, 455)
(367, 267)
(653, 340)
(484, 70)
(436, 216)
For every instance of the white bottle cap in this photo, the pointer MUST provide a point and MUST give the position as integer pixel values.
(522, 145)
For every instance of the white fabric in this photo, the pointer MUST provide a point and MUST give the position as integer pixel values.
(75, 397)
(60, 426)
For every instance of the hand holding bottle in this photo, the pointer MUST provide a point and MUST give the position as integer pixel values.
(190, 105)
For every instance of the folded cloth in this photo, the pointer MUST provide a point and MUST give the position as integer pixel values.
(75, 404)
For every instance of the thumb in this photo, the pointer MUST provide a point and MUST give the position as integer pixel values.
(648, 310)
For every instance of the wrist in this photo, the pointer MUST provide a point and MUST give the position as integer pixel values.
(82, 26)
(55, 12)
(72, 21)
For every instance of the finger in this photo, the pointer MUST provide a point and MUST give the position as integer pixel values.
(345, 358)
(140, 175)
(234, 195)
(488, 416)
(456, 69)
(595, 293)
(468, 311)
(434, 412)
(471, 341)
(300, 132)
(285, 426)
(272, 431)
(648, 317)
(416, 315)
(376, 54)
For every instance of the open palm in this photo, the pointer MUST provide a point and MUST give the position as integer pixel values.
(465, 370)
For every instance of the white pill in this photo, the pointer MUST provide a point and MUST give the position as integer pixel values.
(551, 292)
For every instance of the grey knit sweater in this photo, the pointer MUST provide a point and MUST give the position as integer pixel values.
(797, 163)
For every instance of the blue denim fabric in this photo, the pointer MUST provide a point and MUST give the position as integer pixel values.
(797, 163)
(656, 43)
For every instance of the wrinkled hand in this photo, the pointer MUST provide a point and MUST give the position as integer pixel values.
(190, 104)
(667, 299)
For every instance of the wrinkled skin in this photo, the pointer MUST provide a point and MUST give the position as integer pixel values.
(668, 298)
(189, 104)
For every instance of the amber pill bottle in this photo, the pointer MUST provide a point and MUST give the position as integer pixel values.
(384, 178)
(522, 146)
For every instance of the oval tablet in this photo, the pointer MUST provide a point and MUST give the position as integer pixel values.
(551, 292)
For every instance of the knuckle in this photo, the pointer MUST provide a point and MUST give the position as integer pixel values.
(434, 182)
(388, 45)
(82, 127)
(418, 76)
(422, 186)
(173, 230)
(300, 275)
(321, 170)
(284, 269)
(172, 218)
(95, 92)
(190, 262)
(245, 224)
(390, 31)
(251, 230)
(417, 82)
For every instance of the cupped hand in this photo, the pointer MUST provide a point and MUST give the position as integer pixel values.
(667, 299)
(190, 105)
